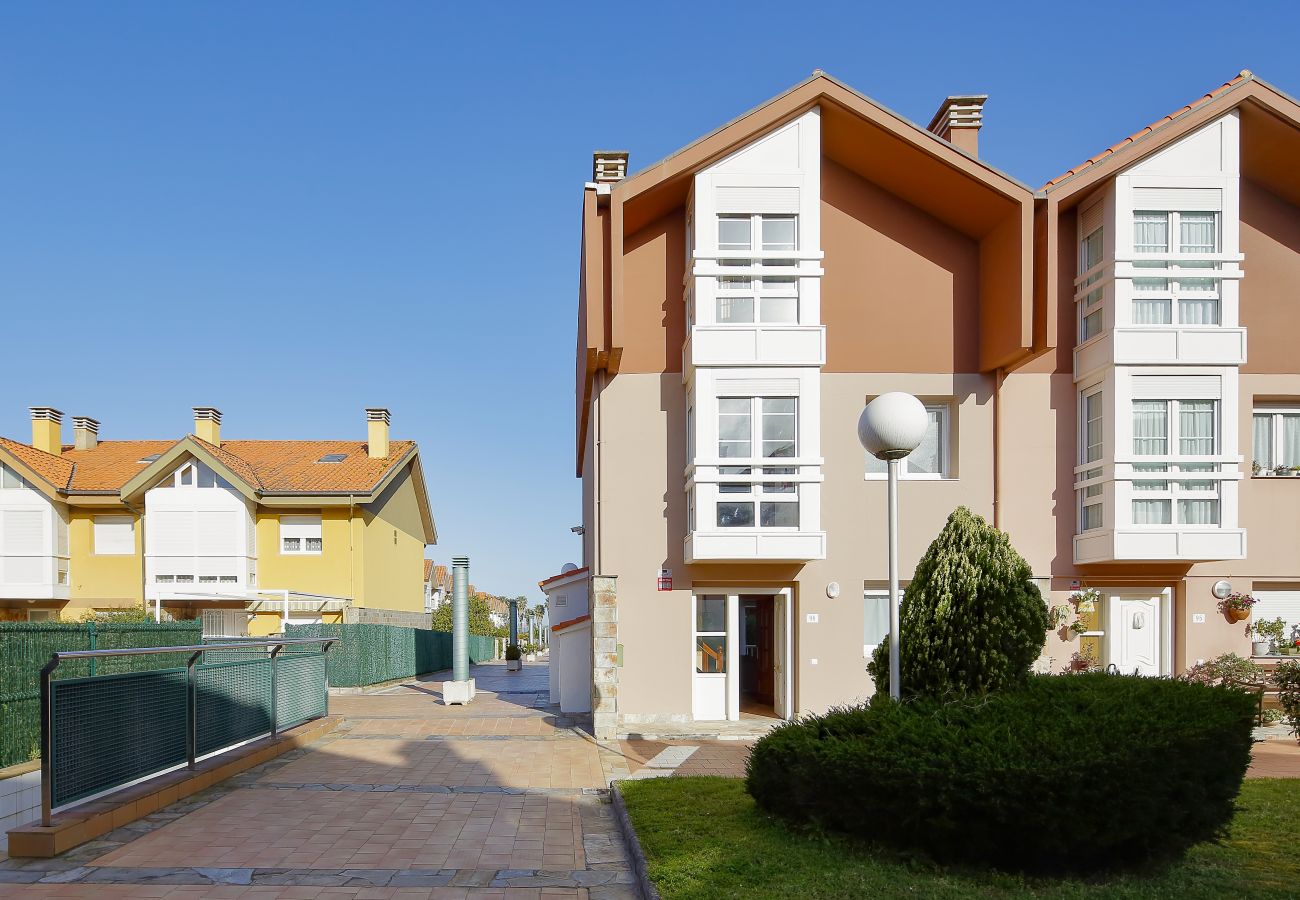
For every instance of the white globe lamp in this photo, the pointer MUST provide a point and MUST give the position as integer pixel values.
(891, 427)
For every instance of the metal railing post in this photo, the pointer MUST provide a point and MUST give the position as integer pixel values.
(325, 674)
(47, 744)
(191, 709)
(94, 645)
(275, 690)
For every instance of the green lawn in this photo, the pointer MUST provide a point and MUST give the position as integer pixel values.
(704, 838)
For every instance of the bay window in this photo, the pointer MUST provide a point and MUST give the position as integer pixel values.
(930, 458)
(1277, 437)
(768, 424)
(766, 291)
(1091, 320)
(1179, 428)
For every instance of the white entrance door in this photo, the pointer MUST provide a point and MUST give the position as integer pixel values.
(783, 620)
(1136, 634)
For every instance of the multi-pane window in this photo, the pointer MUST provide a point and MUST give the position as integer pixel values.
(767, 290)
(769, 426)
(1187, 289)
(300, 535)
(1277, 438)
(1091, 321)
(930, 458)
(1090, 505)
(1177, 428)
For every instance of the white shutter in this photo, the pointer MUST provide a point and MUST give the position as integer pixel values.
(1177, 387)
(1178, 199)
(218, 533)
(757, 387)
(758, 200)
(171, 532)
(1277, 604)
(300, 527)
(114, 535)
(24, 532)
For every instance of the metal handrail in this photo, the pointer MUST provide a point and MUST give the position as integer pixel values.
(195, 651)
(83, 654)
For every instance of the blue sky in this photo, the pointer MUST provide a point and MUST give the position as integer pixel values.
(294, 211)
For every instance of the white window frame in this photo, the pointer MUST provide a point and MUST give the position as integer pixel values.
(8, 475)
(905, 469)
(1180, 471)
(1173, 263)
(1090, 298)
(1173, 435)
(768, 486)
(1088, 485)
(300, 528)
(696, 634)
(1276, 415)
(101, 540)
(760, 274)
(874, 595)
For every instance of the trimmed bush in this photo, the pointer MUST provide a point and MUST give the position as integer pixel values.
(971, 620)
(1077, 774)
(513, 652)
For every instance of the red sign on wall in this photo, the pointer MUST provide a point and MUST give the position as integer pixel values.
(665, 580)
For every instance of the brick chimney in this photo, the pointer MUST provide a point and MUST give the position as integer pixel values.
(608, 166)
(207, 424)
(377, 419)
(958, 121)
(85, 433)
(47, 429)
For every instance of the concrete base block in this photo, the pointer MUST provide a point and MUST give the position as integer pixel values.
(461, 692)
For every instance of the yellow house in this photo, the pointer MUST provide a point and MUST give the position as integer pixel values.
(248, 533)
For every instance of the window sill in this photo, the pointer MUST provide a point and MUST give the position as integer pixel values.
(901, 477)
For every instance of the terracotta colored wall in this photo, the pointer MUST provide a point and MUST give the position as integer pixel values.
(901, 290)
(1270, 240)
(654, 261)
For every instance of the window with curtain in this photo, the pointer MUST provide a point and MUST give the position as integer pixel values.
(1150, 232)
(930, 458)
(1150, 427)
(1155, 499)
(1091, 439)
(770, 424)
(1194, 297)
(1192, 425)
(875, 620)
(1276, 437)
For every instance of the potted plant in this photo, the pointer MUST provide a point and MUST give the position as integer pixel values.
(1078, 627)
(1255, 468)
(513, 655)
(1237, 606)
(1281, 470)
(1268, 634)
(1059, 615)
(1082, 661)
(1085, 601)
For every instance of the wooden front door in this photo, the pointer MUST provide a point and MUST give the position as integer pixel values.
(764, 689)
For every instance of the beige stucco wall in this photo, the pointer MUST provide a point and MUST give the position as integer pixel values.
(644, 521)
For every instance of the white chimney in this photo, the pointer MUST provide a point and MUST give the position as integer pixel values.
(85, 433)
(608, 166)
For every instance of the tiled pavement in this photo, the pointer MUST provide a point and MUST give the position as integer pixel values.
(407, 798)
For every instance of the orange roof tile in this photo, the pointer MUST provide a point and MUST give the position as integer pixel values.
(267, 466)
(1245, 75)
(428, 569)
(442, 576)
(54, 469)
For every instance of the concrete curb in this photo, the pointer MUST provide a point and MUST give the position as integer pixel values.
(643, 884)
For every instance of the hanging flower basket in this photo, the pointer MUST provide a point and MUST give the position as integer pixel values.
(1237, 606)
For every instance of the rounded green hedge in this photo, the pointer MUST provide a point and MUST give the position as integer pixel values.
(1065, 774)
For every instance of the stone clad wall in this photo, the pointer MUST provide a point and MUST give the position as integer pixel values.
(604, 641)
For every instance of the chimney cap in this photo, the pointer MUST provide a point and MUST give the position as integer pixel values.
(958, 111)
(378, 414)
(207, 413)
(46, 412)
(608, 166)
(85, 422)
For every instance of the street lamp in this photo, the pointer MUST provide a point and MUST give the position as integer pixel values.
(890, 428)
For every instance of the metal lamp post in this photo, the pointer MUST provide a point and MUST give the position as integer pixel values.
(891, 427)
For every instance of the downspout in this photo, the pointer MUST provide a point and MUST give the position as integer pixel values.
(596, 541)
(998, 378)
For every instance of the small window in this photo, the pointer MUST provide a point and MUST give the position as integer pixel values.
(1276, 438)
(114, 536)
(207, 579)
(184, 579)
(10, 479)
(333, 458)
(151, 458)
(930, 458)
(42, 615)
(301, 535)
(711, 634)
(875, 620)
(164, 579)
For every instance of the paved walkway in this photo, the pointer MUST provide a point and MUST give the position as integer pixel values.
(502, 798)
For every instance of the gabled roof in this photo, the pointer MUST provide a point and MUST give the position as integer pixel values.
(1268, 114)
(53, 470)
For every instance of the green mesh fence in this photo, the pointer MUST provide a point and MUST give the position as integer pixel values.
(111, 730)
(27, 646)
(233, 702)
(371, 654)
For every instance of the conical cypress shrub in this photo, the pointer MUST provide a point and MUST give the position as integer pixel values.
(972, 620)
